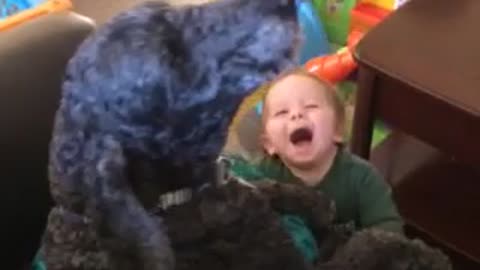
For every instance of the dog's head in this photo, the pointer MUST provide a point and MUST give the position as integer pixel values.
(228, 49)
(165, 81)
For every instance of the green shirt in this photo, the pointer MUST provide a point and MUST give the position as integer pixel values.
(362, 198)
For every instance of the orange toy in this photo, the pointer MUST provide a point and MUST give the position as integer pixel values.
(385, 4)
(42, 9)
(338, 66)
(365, 16)
(353, 38)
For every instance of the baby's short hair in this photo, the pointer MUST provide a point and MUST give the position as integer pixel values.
(331, 93)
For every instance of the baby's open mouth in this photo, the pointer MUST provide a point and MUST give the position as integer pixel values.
(301, 135)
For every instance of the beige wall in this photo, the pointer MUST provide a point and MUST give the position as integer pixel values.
(102, 10)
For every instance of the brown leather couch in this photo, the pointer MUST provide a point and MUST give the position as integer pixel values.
(33, 57)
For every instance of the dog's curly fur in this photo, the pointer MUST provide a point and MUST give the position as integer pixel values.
(231, 226)
(146, 105)
(236, 227)
(374, 249)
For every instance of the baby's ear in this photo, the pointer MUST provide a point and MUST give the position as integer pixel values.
(339, 136)
(338, 139)
(267, 145)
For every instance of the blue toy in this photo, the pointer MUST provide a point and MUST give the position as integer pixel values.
(10, 7)
(315, 41)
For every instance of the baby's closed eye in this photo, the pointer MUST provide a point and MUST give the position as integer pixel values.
(312, 106)
(281, 112)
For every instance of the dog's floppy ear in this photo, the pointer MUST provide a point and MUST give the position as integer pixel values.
(114, 206)
(253, 40)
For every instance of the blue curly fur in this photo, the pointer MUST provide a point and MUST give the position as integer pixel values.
(147, 99)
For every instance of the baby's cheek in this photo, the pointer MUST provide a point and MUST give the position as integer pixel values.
(326, 120)
(275, 130)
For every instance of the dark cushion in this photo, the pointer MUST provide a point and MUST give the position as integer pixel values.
(33, 57)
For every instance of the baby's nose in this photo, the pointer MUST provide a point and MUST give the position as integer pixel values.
(296, 114)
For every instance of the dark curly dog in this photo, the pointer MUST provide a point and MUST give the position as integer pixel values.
(373, 249)
(146, 104)
(238, 227)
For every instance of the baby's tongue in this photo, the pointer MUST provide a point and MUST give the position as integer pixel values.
(301, 137)
(302, 146)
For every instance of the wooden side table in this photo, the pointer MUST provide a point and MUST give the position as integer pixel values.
(419, 71)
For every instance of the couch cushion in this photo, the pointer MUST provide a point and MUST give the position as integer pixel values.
(33, 57)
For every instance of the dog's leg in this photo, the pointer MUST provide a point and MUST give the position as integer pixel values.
(112, 203)
(71, 243)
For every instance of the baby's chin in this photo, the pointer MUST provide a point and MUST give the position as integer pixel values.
(303, 161)
(307, 156)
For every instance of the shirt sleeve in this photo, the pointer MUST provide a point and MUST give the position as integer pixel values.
(376, 206)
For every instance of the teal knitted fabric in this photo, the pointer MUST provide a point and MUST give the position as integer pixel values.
(38, 264)
(303, 238)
